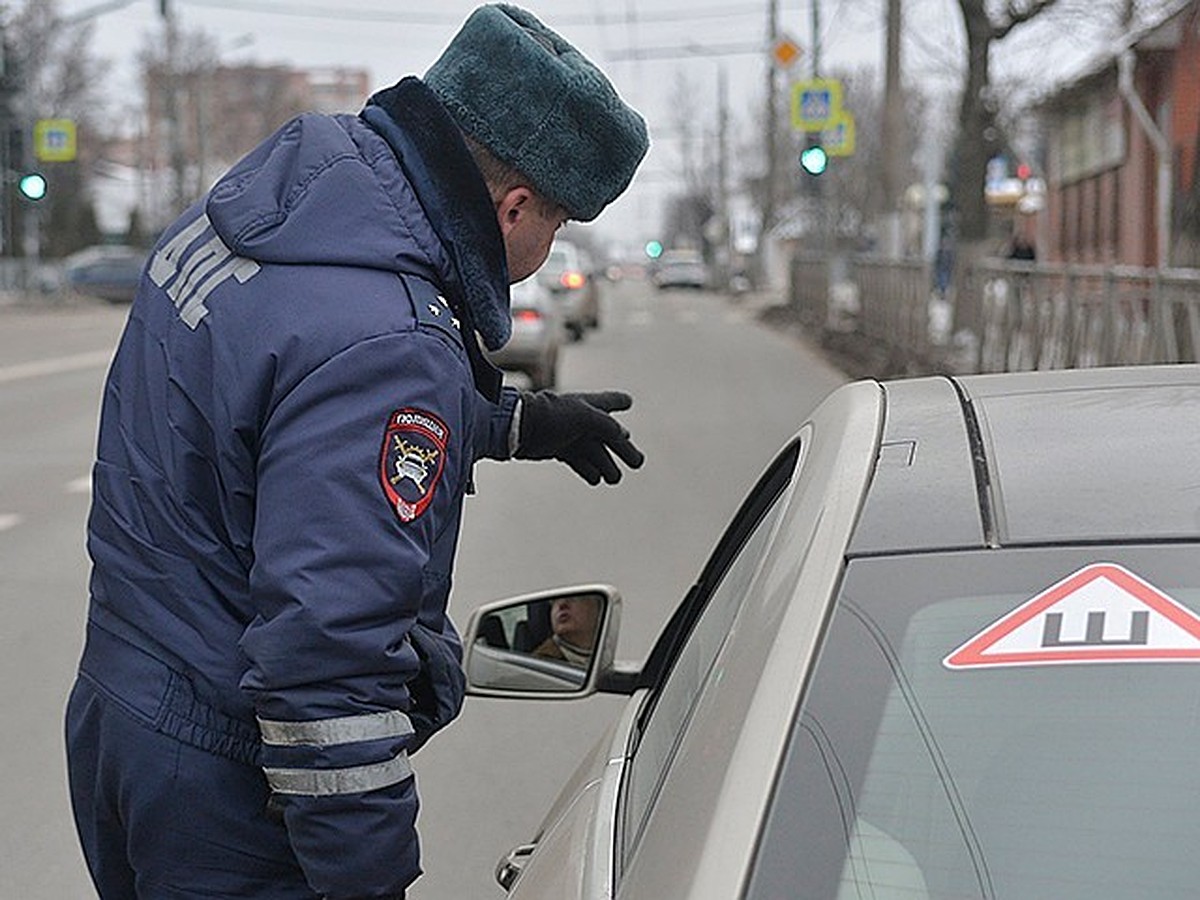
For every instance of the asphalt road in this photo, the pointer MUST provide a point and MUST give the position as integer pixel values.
(716, 394)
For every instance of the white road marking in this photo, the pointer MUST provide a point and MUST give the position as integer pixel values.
(9, 520)
(640, 319)
(80, 485)
(56, 366)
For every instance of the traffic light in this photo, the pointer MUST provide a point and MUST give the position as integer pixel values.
(654, 249)
(814, 159)
(32, 185)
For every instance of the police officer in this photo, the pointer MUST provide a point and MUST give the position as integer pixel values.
(288, 429)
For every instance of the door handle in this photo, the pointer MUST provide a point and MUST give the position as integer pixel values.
(509, 869)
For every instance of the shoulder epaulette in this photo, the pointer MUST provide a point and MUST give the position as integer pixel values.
(433, 310)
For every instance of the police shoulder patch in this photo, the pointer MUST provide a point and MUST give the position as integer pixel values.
(412, 460)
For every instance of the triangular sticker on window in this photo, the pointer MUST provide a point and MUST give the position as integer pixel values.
(1101, 614)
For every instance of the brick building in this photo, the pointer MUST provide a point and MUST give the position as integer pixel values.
(1110, 199)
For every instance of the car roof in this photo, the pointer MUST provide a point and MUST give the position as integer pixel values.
(104, 252)
(1036, 458)
(681, 256)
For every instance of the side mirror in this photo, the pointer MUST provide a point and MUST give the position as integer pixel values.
(551, 645)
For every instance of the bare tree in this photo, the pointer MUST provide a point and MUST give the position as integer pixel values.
(173, 70)
(688, 211)
(978, 136)
(855, 189)
(60, 76)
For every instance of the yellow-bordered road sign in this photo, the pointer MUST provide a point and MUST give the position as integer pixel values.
(816, 103)
(54, 140)
(838, 137)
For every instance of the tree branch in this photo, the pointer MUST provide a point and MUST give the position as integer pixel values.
(1018, 12)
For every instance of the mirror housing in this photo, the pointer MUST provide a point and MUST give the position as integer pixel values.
(521, 647)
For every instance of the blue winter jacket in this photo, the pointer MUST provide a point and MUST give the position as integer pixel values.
(288, 429)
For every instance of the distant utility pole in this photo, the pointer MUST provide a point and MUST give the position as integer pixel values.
(816, 38)
(9, 132)
(723, 255)
(893, 126)
(171, 106)
(772, 136)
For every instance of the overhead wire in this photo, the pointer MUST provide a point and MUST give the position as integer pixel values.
(424, 17)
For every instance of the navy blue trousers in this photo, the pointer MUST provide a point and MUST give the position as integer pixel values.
(162, 820)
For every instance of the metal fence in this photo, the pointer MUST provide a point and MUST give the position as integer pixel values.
(1009, 316)
(27, 277)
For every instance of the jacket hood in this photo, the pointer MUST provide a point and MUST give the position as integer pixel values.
(310, 195)
(345, 190)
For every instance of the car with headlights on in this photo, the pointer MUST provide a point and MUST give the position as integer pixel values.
(948, 647)
(537, 335)
(568, 274)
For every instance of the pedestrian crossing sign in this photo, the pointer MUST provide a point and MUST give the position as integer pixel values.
(54, 140)
(816, 103)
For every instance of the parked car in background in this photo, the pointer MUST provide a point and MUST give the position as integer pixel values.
(681, 269)
(537, 335)
(567, 274)
(107, 271)
(948, 647)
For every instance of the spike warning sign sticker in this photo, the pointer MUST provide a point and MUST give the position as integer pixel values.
(1101, 614)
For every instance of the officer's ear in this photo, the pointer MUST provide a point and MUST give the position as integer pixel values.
(517, 203)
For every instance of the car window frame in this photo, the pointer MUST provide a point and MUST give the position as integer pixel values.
(763, 499)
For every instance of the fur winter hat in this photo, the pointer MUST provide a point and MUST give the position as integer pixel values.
(540, 106)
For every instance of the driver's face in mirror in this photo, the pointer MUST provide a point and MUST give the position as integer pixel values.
(574, 623)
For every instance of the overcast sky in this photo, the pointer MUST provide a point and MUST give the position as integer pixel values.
(647, 47)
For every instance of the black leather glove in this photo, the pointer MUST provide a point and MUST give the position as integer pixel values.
(578, 430)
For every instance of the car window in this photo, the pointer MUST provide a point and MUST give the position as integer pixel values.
(561, 256)
(953, 745)
(712, 606)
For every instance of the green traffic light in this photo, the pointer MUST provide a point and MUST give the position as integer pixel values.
(814, 159)
(654, 249)
(32, 186)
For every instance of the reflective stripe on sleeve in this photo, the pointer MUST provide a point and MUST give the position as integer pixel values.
(355, 780)
(330, 732)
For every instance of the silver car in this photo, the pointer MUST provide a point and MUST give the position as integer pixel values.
(949, 647)
(681, 269)
(537, 335)
(568, 274)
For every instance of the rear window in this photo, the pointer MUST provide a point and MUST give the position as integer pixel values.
(1004, 724)
(559, 258)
